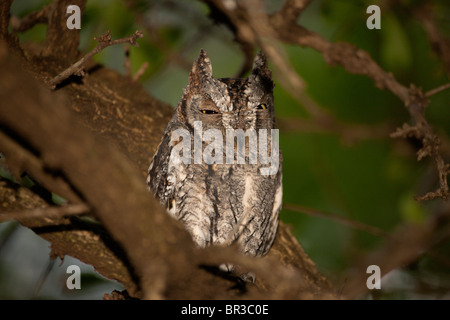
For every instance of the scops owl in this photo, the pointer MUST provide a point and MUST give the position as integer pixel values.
(218, 166)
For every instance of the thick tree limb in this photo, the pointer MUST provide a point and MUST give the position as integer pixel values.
(61, 41)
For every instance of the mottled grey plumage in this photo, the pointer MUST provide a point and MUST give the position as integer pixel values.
(221, 203)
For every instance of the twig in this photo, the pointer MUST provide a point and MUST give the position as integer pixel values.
(103, 42)
(351, 223)
(140, 71)
(27, 22)
(437, 90)
(127, 62)
(349, 133)
(48, 212)
(43, 278)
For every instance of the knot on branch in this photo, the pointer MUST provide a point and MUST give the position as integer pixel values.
(104, 38)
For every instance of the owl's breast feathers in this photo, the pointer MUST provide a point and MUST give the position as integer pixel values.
(222, 203)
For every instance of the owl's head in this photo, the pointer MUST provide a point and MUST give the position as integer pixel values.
(228, 103)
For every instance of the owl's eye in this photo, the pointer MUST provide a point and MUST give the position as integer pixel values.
(208, 111)
(262, 106)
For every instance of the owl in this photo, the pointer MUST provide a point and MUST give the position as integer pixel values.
(218, 166)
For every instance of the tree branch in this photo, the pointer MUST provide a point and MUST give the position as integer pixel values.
(29, 21)
(61, 41)
(437, 90)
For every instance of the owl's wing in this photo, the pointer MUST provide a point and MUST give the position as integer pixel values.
(157, 177)
(276, 208)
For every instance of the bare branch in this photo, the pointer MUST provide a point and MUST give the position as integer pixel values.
(437, 90)
(103, 42)
(127, 62)
(140, 71)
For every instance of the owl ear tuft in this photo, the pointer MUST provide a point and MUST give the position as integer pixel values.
(202, 69)
(261, 75)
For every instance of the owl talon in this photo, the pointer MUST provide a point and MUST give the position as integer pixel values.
(227, 267)
(248, 277)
